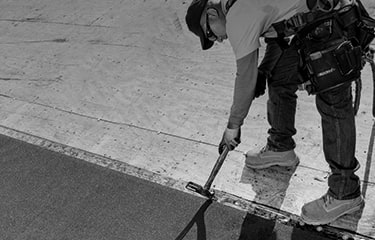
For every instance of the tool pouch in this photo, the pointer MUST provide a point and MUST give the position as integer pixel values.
(366, 34)
(329, 59)
(329, 68)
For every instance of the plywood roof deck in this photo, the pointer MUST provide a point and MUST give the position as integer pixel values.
(127, 80)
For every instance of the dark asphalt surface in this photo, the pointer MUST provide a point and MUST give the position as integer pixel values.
(47, 195)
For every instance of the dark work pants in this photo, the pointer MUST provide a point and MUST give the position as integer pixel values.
(337, 119)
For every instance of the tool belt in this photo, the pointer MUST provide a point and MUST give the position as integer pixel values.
(331, 67)
(331, 45)
(329, 58)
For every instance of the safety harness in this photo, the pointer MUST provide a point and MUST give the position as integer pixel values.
(332, 44)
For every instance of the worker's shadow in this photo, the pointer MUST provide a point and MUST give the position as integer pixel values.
(270, 186)
(198, 219)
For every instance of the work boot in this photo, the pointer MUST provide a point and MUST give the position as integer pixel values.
(267, 158)
(327, 209)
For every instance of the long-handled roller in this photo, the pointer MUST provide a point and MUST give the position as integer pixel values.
(205, 190)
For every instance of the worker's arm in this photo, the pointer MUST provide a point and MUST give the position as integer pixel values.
(244, 89)
(243, 96)
(251, 80)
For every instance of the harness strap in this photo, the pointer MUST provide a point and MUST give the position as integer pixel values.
(349, 17)
(293, 24)
(310, 19)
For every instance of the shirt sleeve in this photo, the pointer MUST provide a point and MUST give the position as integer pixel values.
(244, 88)
(243, 28)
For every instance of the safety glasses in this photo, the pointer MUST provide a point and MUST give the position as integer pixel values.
(322, 5)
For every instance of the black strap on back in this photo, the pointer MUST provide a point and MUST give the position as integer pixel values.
(307, 21)
(301, 21)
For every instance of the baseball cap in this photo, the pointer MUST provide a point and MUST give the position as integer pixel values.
(193, 18)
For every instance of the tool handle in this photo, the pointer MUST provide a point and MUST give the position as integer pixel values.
(215, 170)
(373, 94)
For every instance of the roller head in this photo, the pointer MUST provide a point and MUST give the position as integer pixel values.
(199, 189)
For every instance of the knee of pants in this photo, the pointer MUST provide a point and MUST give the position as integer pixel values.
(336, 103)
(282, 91)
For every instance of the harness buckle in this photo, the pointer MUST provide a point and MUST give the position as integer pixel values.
(296, 22)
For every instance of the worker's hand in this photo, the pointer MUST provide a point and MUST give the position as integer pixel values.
(260, 87)
(231, 139)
